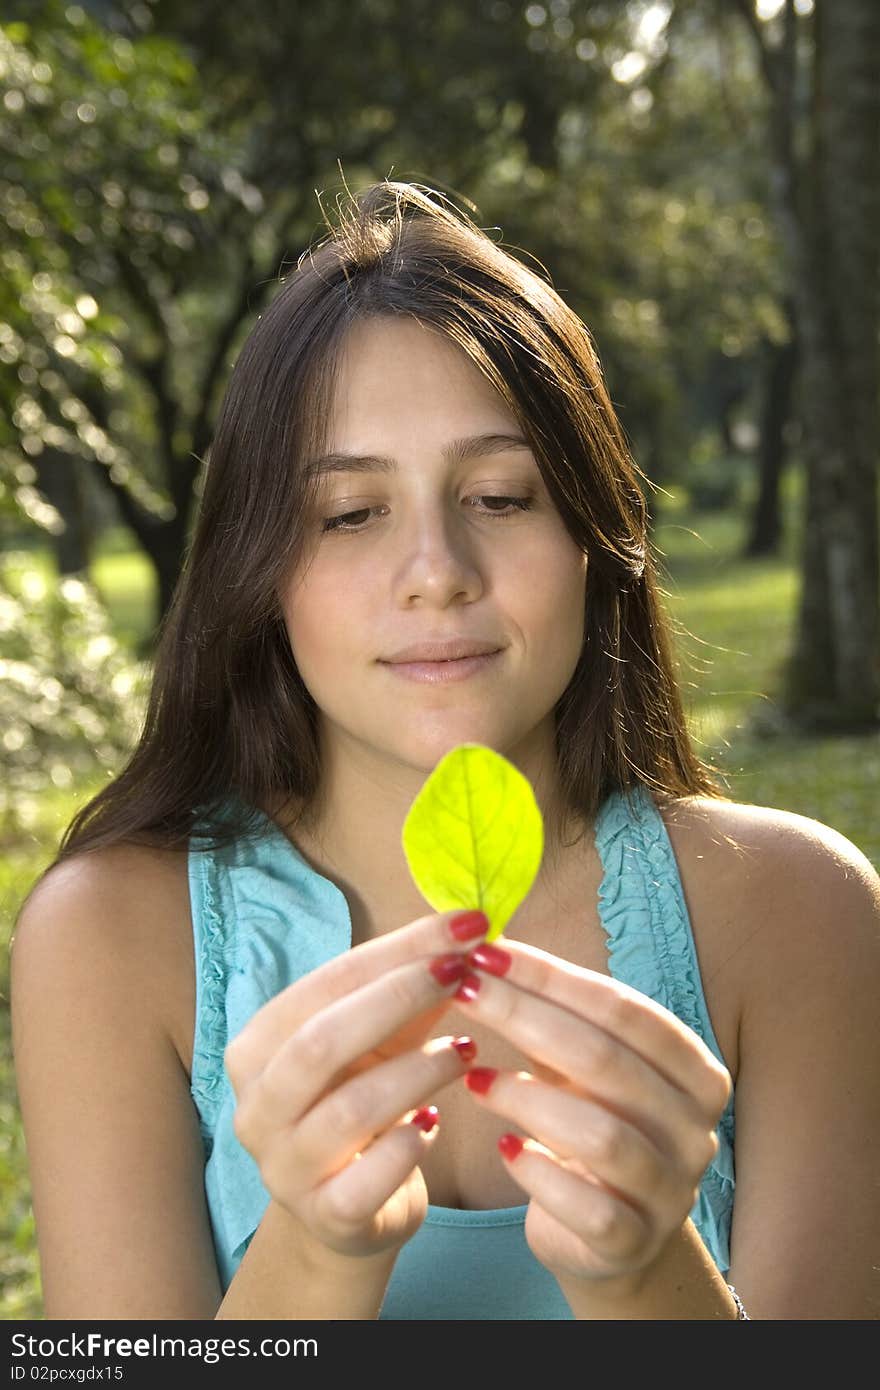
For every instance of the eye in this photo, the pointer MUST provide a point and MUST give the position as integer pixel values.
(343, 521)
(346, 523)
(519, 504)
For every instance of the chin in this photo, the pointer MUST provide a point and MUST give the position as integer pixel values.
(425, 752)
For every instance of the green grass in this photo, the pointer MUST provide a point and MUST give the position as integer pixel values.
(736, 619)
(127, 585)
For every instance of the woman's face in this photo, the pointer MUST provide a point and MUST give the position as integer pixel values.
(431, 550)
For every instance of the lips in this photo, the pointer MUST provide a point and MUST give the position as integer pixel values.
(443, 672)
(450, 649)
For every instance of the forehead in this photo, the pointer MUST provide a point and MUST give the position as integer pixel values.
(399, 370)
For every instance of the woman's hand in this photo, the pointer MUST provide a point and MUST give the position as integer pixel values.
(326, 1075)
(618, 1112)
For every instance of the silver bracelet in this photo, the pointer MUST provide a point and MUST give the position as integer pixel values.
(740, 1310)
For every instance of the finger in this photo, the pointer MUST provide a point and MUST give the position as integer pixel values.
(325, 1134)
(611, 1149)
(594, 1061)
(281, 1016)
(654, 1032)
(354, 1198)
(613, 1232)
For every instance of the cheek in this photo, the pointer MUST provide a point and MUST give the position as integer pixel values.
(323, 622)
(301, 607)
(555, 604)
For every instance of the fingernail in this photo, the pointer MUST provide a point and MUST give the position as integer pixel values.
(468, 925)
(426, 1118)
(468, 989)
(466, 1048)
(491, 959)
(479, 1079)
(445, 969)
(511, 1146)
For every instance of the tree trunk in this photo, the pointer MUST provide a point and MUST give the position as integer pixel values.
(60, 480)
(828, 207)
(167, 556)
(834, 681)
(779, 375)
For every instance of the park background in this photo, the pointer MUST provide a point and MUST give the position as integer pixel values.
(699, 178)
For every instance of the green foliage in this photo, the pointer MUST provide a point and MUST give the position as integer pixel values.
(715, 480)
(71, 697)
(158, 174)
(87, 133)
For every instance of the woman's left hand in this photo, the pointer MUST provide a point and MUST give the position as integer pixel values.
(618, 1111)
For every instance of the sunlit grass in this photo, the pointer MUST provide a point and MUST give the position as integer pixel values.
(125, 581)
(738, 620)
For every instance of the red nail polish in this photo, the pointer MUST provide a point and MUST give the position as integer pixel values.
(511, 1146)
(445, 969)
(466, 1048)
(468, 989)
(426, 1118)
(491, 959)
(468, 925)
(479, 1079)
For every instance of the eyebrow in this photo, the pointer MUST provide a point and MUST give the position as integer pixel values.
(472, 446)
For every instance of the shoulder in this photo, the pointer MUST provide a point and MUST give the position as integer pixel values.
(767, 848)
(125, 893)
(115, 1154)
(791, 908)
(123, 910)
(109, 869)
(783, 891)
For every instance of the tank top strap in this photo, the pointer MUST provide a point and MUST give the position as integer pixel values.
(642, 907)
(651, 947)
(261, 919)
(213, 928)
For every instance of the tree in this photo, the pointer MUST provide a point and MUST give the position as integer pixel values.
(174, 158)
(826, 187)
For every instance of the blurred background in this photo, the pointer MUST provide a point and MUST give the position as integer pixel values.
(699, 178)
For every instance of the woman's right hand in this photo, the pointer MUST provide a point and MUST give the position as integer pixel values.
(327, 1074)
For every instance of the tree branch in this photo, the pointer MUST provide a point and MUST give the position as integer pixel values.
(241, 305)
(143, 523)
(253, 288)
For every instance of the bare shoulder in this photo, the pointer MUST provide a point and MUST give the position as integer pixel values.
(115, 1155)
(129, 905)
(788, 909)
(758, 843)
(760, 876)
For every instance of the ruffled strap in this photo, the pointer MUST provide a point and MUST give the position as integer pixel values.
(651, 948)
(643, 910)
(212, 940)
(262, 918)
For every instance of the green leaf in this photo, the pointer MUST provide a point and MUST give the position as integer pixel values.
(474, 835)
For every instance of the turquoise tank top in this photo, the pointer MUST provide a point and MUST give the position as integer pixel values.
(262, 917)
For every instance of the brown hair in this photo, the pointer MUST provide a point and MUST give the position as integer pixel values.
(228, 714)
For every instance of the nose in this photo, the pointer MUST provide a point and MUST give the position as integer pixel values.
(438, 558)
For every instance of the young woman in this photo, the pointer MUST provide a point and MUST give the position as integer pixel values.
(257, 1078)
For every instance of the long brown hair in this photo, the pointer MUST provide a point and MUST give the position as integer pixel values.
(228, 715)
